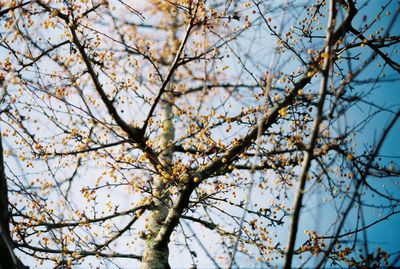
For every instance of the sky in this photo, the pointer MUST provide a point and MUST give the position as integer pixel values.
(385, 234)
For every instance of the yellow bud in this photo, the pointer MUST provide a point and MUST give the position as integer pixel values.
(282, 111)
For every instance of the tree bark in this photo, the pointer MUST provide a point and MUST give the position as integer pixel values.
(309, 153)
(155, 255)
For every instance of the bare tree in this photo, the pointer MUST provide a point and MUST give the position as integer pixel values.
(137, 130)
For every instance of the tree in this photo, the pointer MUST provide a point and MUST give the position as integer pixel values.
(134, 129)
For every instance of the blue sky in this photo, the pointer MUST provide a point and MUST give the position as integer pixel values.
(386, 234)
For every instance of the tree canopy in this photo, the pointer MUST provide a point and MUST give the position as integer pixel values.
(194, 133)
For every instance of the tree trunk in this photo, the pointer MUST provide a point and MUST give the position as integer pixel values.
(155, 256)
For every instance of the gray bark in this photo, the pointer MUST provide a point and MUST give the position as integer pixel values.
(314, 135)
(156, 254)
